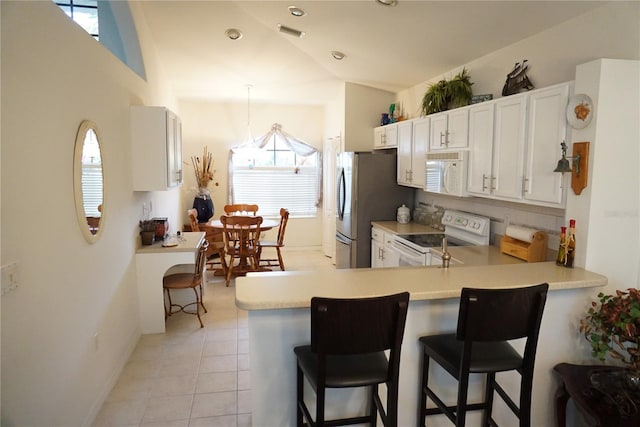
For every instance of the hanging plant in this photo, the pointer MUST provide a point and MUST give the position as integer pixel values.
(445, 95)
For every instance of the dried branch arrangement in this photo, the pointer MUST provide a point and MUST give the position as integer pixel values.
(203, 168)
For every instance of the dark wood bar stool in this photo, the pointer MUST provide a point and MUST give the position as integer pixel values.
(487, 320)
(348, 342)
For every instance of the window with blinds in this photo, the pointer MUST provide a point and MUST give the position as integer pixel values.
(273, 188)
(92, 189)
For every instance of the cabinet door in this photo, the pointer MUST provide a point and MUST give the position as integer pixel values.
(438, 132)
(458, 128)
(174, 150)
(389, 257)
(378, 137)
(377, 254)
(508, 147)
(481, 146)
(391, 136)
(419, 151)
(404, 172)
(547, 129)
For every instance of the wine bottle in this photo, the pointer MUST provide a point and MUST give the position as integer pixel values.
(571, 243)
(562, 253)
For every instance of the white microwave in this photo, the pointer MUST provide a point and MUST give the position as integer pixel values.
(446, 173)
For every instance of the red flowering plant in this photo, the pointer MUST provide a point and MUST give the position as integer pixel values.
(612, 327)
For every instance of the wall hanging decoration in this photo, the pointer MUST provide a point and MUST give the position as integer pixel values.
(579, 111)
(445, 95)
(517, 80)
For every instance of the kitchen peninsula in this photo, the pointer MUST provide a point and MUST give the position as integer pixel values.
(279, 318)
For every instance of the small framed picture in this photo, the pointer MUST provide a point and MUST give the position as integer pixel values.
(481, 98)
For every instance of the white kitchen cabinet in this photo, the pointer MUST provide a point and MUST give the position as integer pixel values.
(385, 136)
(377, 248)
(480, 149)
(547, 129)
(509, 147)
(381, 256)
(449, 130)
(156, 141)
(497, 147)
(514, 147)
(413, 144)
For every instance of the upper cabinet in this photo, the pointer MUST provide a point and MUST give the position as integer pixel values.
(449, 130)
(385, 136)
(156, 141)
(413, 144)
(513, 143)
(547, 129)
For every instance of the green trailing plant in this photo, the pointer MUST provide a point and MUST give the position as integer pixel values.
(612, 327)
(445, 95)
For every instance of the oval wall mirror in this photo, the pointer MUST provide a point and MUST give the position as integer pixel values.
(88, 181)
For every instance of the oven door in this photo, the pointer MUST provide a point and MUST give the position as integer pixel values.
(407, 256)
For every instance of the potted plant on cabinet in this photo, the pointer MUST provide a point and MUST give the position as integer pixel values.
(147, 231)
(445, 95)
(612, 327)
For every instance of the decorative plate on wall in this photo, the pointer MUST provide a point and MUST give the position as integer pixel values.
(579, 111)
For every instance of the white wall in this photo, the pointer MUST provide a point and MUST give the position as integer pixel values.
(54, 75)
(221, 126)
(611, 31)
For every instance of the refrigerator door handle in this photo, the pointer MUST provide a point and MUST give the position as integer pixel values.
(340, 238)
(342, 191)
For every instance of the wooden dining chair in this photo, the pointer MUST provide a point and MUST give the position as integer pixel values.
(216, 249)
(241, 209)
(241, 234)
(187, 281)
(279, 243)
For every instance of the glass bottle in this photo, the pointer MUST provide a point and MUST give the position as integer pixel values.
(571, 243)
(562, 253)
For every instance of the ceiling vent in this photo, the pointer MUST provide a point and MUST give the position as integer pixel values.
(291, 31)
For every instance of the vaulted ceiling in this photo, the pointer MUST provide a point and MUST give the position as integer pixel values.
(388, 47)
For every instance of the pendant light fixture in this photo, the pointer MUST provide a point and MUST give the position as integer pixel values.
(250, 141)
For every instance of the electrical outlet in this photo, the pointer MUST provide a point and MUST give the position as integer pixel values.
(10, 277)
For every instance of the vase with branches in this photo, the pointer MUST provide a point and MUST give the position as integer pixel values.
(204, 174)
(612, 327)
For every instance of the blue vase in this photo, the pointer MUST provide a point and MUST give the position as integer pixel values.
(385, 120)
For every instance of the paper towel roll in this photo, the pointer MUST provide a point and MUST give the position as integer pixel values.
(521, 233)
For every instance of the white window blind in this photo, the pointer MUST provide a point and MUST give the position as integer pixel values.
(92, 189)
(273, 188)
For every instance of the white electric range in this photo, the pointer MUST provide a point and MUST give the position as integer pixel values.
(461, 229)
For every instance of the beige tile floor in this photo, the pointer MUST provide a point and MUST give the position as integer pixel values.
(192, 376)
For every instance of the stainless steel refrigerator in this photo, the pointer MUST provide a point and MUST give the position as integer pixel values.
(367, 191)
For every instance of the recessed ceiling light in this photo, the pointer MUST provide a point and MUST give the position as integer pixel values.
(290, 31)
(233, 34)
(337, 55)
(387, 2)
(296, 11)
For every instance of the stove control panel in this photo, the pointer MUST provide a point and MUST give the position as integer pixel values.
(467, 222)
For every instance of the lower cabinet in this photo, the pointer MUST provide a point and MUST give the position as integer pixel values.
(381, 256)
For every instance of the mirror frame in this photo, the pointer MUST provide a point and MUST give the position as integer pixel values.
(85, 126)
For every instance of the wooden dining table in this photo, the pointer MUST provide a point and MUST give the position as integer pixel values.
(267, 224)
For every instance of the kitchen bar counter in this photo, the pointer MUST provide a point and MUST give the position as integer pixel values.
(467, 256)
(294, 289)
(278, 320)
(410, 228)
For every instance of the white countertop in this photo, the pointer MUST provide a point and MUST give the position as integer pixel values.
(410, 228)
(190, 241)
(294, 289)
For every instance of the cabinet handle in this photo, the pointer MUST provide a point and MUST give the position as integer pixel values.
(410, 176)
(381, 254)
(179, 175)
(441, 139)
(525, 180)
(484, 182)
(446, 138)
(383, 140)
(493, 183)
